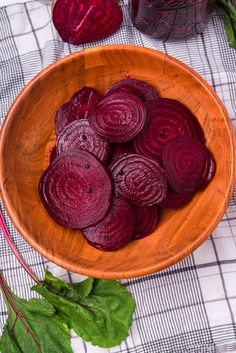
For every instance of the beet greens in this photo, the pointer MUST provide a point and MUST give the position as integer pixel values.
(42, 325)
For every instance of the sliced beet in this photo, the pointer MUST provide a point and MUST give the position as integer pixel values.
(84, 21)
(139, 180)
(53, 154)
(145, 91)
(62, 118)
(118, 117)
(83, 102)
(189, 164)
(145, 220)
(175, 200)
(115, 230)
(79, 135)
(76, 189)
(126, 89)
(120, 150)
(166, 119)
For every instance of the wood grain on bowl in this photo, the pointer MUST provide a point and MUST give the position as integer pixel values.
(27, 137)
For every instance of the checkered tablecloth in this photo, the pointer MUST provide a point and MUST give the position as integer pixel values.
(189, 307)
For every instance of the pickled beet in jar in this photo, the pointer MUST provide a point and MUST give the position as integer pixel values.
(166, 19)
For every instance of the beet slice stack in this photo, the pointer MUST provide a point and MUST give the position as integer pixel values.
(142, 89)
(76, 189)
(146, 220)
(189, 164)
(79, 135)
(166, 119)
(115, 230)
(139, 180)
(118, 117)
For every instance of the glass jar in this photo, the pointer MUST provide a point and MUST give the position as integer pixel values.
(165, 19)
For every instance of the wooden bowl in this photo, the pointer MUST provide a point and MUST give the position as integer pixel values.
(27, 136)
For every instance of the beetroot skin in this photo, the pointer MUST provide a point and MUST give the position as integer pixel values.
(79, 135)
(142, 89)
(83, 21)
(139, 180)
(76, 189)
(115, 230)
(166, 119)
(146, 220)
(118, 117)
(189, 164)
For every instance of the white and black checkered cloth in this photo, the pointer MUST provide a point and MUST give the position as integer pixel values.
(189, 307)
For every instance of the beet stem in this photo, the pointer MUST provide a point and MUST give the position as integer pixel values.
(15, 251)
(19, 315)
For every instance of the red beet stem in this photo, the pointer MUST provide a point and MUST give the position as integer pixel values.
(8, 297)
(15, 251)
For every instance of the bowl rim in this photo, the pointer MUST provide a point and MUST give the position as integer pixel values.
(12, 212)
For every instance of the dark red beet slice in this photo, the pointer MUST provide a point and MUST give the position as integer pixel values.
(146, 220)
(118, 117)
(146, 92)
(53, 154)
(115, 230)
(139, 180)
(126, 89)
(120, 150)
(83, 102)
(79, 135)
(166, 119)
(83, 21)
(189, 164)
(175, 200)
(76, 189)
(62, 118)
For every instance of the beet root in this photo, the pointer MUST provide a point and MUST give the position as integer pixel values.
(76, 189)
(146, 220)
(83, 102)
(166, 119)
(139, 180)
(79, 135)
(142, 89)
(115, 230)
(120, 150)
(53, 154)
(174, 200)
(62, 118)
(84, 21)
(189, 164)
(118, 117)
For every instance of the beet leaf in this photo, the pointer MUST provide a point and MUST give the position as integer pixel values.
(32, 326)
(102, 316)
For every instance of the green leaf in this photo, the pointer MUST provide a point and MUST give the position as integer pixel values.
(103, 317)
(229, 12)
(229, 30)
(8, 342)
(33, 327)
(70, 291)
